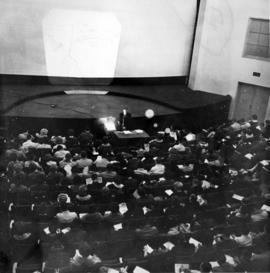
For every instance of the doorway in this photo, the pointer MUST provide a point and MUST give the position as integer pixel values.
(251, 99)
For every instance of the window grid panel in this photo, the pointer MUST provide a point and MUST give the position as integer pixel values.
(257, 39)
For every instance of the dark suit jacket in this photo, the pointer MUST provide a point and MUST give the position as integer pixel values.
(125, 122)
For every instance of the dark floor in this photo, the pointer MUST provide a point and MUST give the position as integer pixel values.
(163, 99)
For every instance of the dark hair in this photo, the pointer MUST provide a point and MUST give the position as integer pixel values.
(84, 249)
(246, 254)
(205, 267)
(63, 206)
(221, 259)
(83, 154)
(32, 167)
(254, 116)
(245, 229)
(70, 132)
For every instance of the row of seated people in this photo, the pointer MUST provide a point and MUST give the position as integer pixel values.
(85, 198)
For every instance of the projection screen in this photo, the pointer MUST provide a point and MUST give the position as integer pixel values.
(97, 38)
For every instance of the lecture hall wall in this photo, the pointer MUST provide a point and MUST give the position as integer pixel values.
(97, 38)
(217, 63)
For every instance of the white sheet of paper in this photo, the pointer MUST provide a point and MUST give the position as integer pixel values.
(148, 249)
(169, 192)
(118, 227)
(123, 208)
(136, 194)
(248, 156)
(169, 245)
(264, 162)
(66, 230)
(112, 270)
(190, 137)
(107, 212)
(139, 269)
(230, 260)
(214, 264)
(47, 230)
(179, 268)
(206, 184)
(99, 179)
(238, 197)
(266, 208)
(145, 210)
(194, 242)
(82, 214)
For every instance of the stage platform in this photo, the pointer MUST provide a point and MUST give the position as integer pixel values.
(46, 101)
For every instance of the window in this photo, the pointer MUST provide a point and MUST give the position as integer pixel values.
(257, 40)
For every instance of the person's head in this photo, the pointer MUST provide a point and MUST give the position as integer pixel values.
(159, 160)
(84, 249)
(68, 157)
(13, 157)
(105, 140)
(20, 228)
(245, 255)
(83, 190)
(267, 122)
(17, 167)
(57, 245)
(30, 156)
(62, 198)
(245, 230)
(53, 168)
(254, 117)
(83, 154)
(221, 259)
(59, 148)
(205, 267)
(63, 206)
(32, 167)
(92, 209)
(207, 239)
(244, 210)
(70, 132)
(110, 167)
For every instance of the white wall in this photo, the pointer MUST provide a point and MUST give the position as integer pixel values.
(155, 38)
(217, 64)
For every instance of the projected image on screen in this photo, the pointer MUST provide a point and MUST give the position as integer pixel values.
(97, 38)
(81, 43)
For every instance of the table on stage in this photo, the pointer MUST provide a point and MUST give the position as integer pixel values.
(127, 137)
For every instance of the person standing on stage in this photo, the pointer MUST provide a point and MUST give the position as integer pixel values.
(125, 120)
